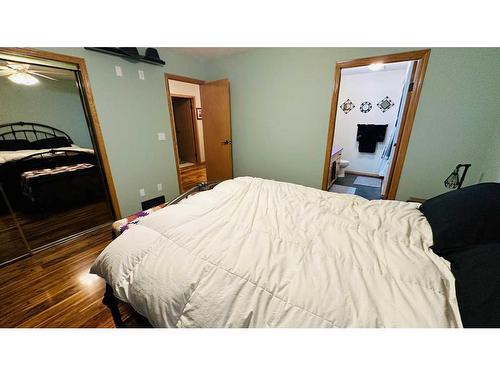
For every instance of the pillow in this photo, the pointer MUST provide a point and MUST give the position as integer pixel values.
(477, 281)
(53, 142)
(468, 216)
(14, 144)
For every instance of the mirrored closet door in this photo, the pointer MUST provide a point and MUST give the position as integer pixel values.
(52, 182)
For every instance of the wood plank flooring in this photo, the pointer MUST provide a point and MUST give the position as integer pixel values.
(192, 175)
(54, 289)
(43, 228)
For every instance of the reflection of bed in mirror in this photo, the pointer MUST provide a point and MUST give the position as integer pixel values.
(53, 187)
(41, 168)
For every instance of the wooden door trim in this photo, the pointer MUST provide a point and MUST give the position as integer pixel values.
(89, 97)
(175, 77)
(174, 135)
(422, 58)
(195, 123)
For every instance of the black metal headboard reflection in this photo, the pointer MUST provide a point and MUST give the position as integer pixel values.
(30, 131)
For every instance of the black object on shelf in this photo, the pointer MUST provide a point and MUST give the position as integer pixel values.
(151, 57)
(454, 180)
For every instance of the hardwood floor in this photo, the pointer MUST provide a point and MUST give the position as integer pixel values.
(54, 289)
(192, 175)
(43, 228)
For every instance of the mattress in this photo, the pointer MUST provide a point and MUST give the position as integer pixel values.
(260, 253)
(8, 156)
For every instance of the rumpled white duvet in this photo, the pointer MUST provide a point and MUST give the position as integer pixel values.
(259, 253)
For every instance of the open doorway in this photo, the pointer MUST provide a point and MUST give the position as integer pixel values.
(373, 107)
(201, 129)
(186, 131)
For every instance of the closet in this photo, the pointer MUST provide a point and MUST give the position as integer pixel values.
(52, 185)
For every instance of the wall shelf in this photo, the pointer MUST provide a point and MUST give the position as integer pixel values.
(117, 52)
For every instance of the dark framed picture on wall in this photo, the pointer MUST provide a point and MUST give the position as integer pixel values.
(198, 113)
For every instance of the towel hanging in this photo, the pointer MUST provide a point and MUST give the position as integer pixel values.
(368, 135)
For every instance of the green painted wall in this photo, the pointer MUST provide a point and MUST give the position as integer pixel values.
(280, 106)
(455, 121)
(54, 103)
(132, 112)
(492, 158)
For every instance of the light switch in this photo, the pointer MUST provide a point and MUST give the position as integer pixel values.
(161, 136)
(160, 187)
(142, 192)
(118, 71)
(141, 75)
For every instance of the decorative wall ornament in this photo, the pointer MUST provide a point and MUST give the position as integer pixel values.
(347, 106)
(365, 107)
(385, 104)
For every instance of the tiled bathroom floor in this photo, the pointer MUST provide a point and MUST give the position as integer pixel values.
(367, 192)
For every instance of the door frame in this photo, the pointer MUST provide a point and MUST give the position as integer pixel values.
(90, 107)
(422, 59)
(195, 124)
(172, 120)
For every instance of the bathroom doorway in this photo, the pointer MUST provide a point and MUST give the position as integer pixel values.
(373, 107)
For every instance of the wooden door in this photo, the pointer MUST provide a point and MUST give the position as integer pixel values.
(184, 129)
(215, 102)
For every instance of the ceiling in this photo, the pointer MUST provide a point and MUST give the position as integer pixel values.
(57, 73)
(210, 52)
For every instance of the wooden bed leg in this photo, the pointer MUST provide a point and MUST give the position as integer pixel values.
(112, 303)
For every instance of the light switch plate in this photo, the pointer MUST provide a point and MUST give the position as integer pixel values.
(142, 192)
(161, 136)
(141, 75)
(118, 71)
(160, 187)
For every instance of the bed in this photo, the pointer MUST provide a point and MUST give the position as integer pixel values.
(41, 168)
(260, 253)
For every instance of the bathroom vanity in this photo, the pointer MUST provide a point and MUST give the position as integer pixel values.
(334, 165)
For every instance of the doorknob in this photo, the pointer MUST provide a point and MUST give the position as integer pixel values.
(227, 142)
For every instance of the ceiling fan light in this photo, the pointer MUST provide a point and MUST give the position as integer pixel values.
(23, 79)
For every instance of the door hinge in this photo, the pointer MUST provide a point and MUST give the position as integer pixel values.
(410, 87)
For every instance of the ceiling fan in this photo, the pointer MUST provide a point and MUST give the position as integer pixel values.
(22, 74)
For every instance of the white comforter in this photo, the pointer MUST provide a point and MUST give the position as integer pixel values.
(6, 156)
(260, 253)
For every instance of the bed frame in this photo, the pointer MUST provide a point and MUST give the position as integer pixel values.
(110, 299)
(51, 153)
(30, 131)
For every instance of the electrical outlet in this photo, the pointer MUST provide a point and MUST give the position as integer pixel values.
(142, 192)
(118, 71)
(160, 187)
(161, 136)
(141, 75)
